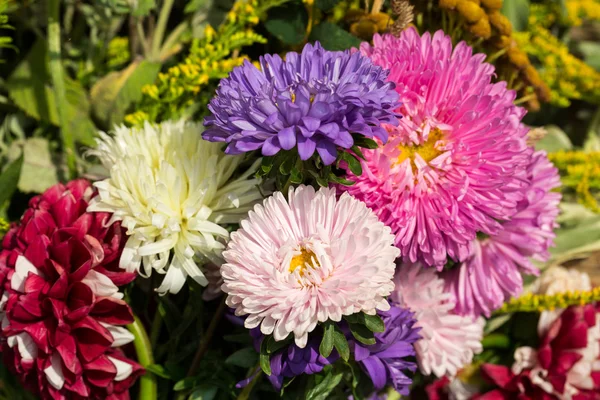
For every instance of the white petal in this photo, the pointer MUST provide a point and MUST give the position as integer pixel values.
(123, 369)
(3, 299)
(100, 284)
(54, 373)
(121, 335)
(22, 269)
(173, 281)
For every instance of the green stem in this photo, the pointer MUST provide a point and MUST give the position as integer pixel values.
(172, 39)
(207, 337)
(155, 330)
(161, 27)
(58, 81)
(143, 350)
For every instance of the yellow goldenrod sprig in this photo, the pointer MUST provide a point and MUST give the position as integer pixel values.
(4, 227)
(542, 302)
(579, 171)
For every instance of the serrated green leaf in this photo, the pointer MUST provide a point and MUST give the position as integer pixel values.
(517, 12)
(289, 160)
(362, 333)
(374, 323)
(158, 370)
(244, 358)
(326, 346)
(112, 95)
(332, 37)
(9, 180)
(341, 344)
(356, 150)
(288, 23)
(265, 358)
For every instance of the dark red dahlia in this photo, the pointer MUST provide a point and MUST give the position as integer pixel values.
(62, 314)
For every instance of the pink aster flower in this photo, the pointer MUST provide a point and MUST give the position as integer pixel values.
(454, 165)
(493, 273)
(309, 259)
(448, 341)
(63, 317)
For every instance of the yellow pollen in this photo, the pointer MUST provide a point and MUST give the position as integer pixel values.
(302, 260)
(427, 150)
(293, 97)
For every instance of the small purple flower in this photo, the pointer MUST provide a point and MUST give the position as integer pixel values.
(293, 361)
(385, 361)
(314, 100)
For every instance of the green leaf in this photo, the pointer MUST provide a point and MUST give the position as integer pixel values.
(341, 343)
(356, 150)
(326, 5)
(195, 5)
(362, 333)
(274, 345)
(267, 164)
(9, 179)
(143, 7)
(337, 179)
(326, 346)
(265, 358)
(244, 358)
(204, 392)
(186, 383)
(38, 172)
(495, 323)
(29, 88)
(353, 163)
(517, 12)
(332, 37)
(322, 390)
(288, 23)
(365, 142)
(296, 176)
(374, 323)
(496, 340)
(289, 160)
(158, 370)
(554, 140)
(112, 95)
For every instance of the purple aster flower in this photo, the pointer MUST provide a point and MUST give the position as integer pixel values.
(386, 361)
(314, 100)
(292, 360)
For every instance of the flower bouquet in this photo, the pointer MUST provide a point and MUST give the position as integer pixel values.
(300, 199)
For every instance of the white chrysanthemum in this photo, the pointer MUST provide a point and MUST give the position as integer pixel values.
(312, 259)
(172, 191)
(448, 341)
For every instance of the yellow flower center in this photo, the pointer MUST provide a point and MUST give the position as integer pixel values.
(427, 150)
(302, 261)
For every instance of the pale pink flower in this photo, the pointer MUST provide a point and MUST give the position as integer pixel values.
(449, 341)
(312, 258)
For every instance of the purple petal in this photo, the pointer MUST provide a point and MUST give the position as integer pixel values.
(327, 151)
(287, 138)
(306, 147)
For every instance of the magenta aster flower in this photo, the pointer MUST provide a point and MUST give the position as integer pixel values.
(454, 165)
(492, 274)
(313, 100)
(312, 258)
(62, 314)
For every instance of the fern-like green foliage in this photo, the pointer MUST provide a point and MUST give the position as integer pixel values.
(182, 89)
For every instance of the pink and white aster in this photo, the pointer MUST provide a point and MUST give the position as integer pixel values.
(309, 259)
(454, 165)
(448, 341)
(494, 271)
